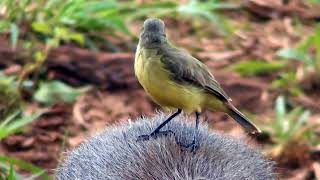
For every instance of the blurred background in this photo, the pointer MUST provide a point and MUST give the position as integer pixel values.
(66, 72)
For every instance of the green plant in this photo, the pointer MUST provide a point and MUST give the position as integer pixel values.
(40, 25)
(208, 10)
(254, 67)
(307, 51)
(313, 1)
(56, 91)
(203, 10)
(287, 81)
(14, 122)
(9, 96)
(289, 127)
(58, 20)
(7, 171)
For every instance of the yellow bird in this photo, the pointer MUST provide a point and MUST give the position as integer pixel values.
(176, 80)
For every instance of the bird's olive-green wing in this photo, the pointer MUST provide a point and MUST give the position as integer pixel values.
(188, 70)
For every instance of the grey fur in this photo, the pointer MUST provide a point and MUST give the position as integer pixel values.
(115, 155)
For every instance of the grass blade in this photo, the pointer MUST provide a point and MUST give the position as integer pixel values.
(25, 166)
(14, 34)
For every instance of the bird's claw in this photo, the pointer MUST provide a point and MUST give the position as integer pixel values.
(155, 135)
(192, 146)
(144, 137)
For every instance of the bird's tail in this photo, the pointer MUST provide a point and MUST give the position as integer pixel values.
(242, 120)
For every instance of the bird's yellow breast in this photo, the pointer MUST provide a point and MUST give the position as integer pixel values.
(156, 81)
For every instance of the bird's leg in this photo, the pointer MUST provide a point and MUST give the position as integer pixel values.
(194, 145)
(157, 131)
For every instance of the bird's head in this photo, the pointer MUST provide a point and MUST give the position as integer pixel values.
(153, 32)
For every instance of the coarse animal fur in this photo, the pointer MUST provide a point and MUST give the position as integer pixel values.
(114, 154)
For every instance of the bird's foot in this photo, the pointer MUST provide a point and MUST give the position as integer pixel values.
(192, 146)
(154, 135)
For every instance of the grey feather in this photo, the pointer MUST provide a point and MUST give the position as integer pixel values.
(186, 69)
(153, 33)
(115, 155)
(154, 26)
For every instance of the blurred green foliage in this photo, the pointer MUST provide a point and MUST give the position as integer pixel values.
(289, 127)
(287, 82)
(51, 92)
(9, 96)
(198, 10)
(14, 122)
(313, 1)
(59, 20)
(254, 67)
(307, 51)
(287, 124)
(79, 21)
(7, 171)
(40, 25)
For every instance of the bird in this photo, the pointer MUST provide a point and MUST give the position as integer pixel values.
(176, 80)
